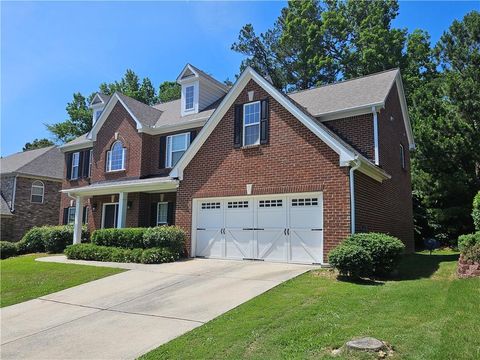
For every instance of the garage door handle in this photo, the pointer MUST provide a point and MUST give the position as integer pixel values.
(200, 228)
(248, 229)
(258, 229)
(317, 229)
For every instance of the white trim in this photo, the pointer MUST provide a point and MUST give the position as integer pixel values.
(79, 146)
(12, 205)
(244, 126)
(403, 105)
(103, 213)
(354, 167)
(375, 135)
(37, 186)
(122, 210)
(73, 166)
(403, 162)
(77, 226)
(346, 154)
(109, 158)
(349, 112)
(196, 96)
(169, 151)
(158, 208)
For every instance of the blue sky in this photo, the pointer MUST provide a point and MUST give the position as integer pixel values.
(49, 50)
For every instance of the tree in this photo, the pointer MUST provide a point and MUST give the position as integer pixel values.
(78, 123)
(37, 144)
(169, 90)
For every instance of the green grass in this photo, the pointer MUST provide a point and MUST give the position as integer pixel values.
(425, 312)
(23, 278)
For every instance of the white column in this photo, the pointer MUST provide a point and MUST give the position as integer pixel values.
(122, 210)
(77, 227)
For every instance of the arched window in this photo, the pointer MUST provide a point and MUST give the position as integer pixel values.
(116, 157)
(38, 190)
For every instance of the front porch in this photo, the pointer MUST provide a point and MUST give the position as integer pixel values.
(123, 204)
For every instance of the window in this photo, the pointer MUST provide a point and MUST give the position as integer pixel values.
(162, 213)
(37, 192)
(176, 147)
(189, 93)
(237, 204)
(251, 123)
(71, 215)
(210, 205)
(75, 165)
(97, 114)
(402, 157)
(305, 202)
(90, 156)
(270, 203)
(116, 157)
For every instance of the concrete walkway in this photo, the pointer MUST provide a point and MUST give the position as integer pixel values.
(125, 315)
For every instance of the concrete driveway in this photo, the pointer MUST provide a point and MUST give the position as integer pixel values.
(125, 315)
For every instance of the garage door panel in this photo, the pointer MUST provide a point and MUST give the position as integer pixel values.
(272, 245)
(239, 243)
(210, 243)
(306, 246)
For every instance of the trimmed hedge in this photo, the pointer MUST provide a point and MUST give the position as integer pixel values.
(171, 237)
(476, 211)
(129, 238)
(468, 240)
(384, 252)
(472, 253)
(7, 249)
(117, 254)
(52, 239)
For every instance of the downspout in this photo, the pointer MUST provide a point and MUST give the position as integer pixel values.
(12, 208)
(352, 194)
(375, 135)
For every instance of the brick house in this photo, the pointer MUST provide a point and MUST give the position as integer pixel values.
(30, 190)
(248, 171)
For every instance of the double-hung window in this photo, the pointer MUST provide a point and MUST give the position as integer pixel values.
(38, 190)
(116, 157)
(75, 165)
(71, 215)
(176, 147)
(189, 94)
(251, 123)
(162, 213)
(90, 158)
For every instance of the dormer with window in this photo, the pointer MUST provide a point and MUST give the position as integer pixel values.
(199, 90)
(97, 105)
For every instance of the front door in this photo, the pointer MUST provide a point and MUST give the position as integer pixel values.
(109, 216)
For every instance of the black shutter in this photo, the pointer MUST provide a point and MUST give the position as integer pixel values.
(65, 216)
(84, 216)
(238, 126)
(153, 214)
(193, 134)
(85, 163)
(163, 152)
(69, 166)
(264, 117)
(171, 213)
(80, 164)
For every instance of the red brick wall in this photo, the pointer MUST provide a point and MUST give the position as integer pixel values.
(387, 207)
(294, 161)
(357, 131)
(28, 214)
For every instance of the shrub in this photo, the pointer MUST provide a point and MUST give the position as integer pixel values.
(350, 260)
(159, 255)
(117, 254)
(170, 237)
(7, 249)
(476, 211)
(129, 238)
(472, 253)
(468, 240)
(52, 239)
(384, 249)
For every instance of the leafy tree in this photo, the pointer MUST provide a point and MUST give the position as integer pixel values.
(78, 123)
(169, 90)
(130, 85)
(37, 144)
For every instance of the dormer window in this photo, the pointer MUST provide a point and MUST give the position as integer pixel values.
(189, 95)
(116, 157)
(97, 115)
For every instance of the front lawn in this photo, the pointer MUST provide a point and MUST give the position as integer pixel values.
(23, 278)
(424, 313)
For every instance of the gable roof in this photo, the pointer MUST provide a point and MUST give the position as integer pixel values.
(45, 162)
(346, 153)
(190, 71)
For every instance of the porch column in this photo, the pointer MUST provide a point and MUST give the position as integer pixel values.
(122, 210)
(77, 227)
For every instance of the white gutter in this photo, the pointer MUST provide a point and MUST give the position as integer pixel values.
(352, 195)
(12, 208)
(375, 135)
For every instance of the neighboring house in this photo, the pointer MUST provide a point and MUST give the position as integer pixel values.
(30, 190)
(247, 171)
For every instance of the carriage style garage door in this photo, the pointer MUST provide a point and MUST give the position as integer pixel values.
(286, 228)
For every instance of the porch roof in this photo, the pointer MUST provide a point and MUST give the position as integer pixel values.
(125, 186)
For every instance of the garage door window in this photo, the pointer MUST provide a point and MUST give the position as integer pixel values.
(237, 204)
(270, 203)
(305, 202)
(210, 205)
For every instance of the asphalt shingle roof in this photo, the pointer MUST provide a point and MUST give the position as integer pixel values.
(147, 115)
(46, 162)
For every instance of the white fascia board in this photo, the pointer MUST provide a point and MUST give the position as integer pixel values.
(92, 190)
(345, 154)
(164, 129)
(403, 105)
(106, 112)
(97, 104)
(79, 146)
(373, 171)
(185, 68)
(354, 111)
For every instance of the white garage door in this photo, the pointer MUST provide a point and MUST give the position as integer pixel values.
(286, 228)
